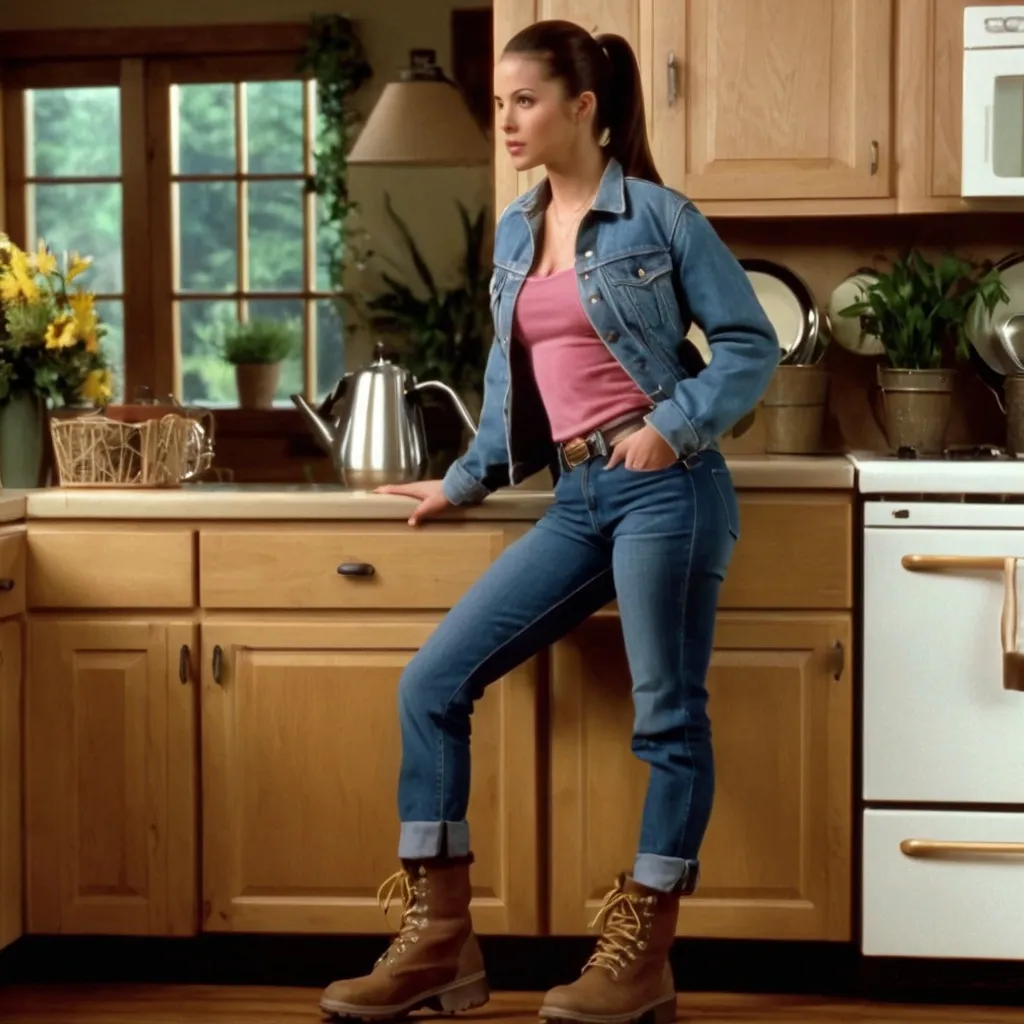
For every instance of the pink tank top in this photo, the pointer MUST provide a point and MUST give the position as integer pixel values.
(580, 382)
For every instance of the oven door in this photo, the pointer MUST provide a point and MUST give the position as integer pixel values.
(939, 724)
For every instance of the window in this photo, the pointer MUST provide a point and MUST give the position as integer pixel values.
(186, 180)
(72, 193)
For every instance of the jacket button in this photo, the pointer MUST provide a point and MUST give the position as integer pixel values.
(588, 254)
(641, 272)
(595, 299)
(612, 336)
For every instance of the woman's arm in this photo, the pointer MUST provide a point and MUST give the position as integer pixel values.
(744, 345)
(484, 466)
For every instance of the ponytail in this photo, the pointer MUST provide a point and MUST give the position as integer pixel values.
(624, 115)
(607, 67)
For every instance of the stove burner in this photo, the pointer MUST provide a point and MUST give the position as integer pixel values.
(957, 453)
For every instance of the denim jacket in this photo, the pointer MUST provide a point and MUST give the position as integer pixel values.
(647, 265)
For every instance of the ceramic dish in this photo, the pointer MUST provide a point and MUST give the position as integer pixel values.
(789, 305)
(847, 330)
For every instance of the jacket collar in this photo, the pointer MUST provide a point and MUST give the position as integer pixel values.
(611, 194)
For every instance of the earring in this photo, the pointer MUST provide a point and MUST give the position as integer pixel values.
(605, 137)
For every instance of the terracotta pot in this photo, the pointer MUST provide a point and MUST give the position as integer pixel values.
(257, 384)
(916, 407)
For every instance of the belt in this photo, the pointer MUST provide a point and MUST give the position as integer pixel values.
(598, 442)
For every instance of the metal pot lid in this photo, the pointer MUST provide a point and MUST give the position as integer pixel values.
(847, 330)
(983, 330)
(788, 304)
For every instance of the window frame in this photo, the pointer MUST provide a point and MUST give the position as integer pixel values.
(141, 62)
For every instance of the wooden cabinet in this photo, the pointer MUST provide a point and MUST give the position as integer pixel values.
(756, 99)
(787, 107)
(300, 764)
(776, 859)
(110, 777)
(11, 833)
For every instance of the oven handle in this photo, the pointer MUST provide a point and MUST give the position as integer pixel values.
(946, 848)
(1013, 660)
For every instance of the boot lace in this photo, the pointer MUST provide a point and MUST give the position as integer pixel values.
(412, 893)
(622, 928)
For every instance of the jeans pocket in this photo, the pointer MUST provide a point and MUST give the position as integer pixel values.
(727, 495)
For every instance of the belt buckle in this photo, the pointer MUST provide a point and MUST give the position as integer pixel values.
(576, 452)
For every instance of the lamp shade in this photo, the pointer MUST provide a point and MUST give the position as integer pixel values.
(426, 123)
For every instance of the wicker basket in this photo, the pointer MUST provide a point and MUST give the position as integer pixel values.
(95, 451)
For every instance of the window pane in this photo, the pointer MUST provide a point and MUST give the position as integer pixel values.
(208, 230)
(275, 236)
(74, 132)
(111, 313)
(205, 378)
(206, 129)
(274, 121)
(82, 218)
(290, 310)
(330, 348)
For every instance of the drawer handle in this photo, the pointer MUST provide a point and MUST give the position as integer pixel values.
(356, 569)
(218, 663)
(183, 659)
(1013, 660)
(6, 584)
(946, 848)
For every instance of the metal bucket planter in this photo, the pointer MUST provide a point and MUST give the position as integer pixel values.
(794, 410)
(916, 408)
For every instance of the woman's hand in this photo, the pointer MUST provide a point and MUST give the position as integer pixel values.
(644, 449)
(429, 494)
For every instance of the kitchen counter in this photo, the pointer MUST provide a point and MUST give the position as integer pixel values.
(332, 502)
(12, 505)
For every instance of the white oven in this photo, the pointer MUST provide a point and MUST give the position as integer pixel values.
(943, 708)
(993, 102)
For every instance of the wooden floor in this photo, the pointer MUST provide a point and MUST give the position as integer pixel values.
(195, 1004)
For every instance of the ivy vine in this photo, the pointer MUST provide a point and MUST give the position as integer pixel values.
(335, 57)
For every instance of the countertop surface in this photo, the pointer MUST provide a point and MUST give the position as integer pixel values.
(332, 502)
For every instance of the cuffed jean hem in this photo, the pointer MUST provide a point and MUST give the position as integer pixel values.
(666, 874)
(420, 839)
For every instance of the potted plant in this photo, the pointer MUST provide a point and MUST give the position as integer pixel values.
(50, 354)
(919, 310)
(256, 349)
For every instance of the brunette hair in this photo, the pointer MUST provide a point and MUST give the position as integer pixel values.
(606, 66)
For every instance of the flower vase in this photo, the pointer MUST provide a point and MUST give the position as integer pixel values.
(23, 442)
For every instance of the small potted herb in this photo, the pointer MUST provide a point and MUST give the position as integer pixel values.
(256, 350)
(919, 311)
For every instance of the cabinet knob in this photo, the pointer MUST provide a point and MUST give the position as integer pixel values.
(6, 584)
(356, 569)
(183, 660)
(838, 660)
(218, 663)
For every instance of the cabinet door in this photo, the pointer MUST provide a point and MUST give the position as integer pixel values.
(755, 99)
(11, 834)
(776, 859)
(300, 766)
(110, 778)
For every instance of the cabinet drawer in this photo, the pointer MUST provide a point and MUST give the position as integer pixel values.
(949, 900)
(110, 568)
(301, 567)
(794, 551)
(12, 574)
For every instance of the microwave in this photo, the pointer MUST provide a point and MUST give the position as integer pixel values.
(993, 102)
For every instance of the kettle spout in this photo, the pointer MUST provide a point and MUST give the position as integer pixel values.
(323, 430)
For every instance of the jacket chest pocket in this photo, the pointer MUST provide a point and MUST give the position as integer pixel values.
(644, 285)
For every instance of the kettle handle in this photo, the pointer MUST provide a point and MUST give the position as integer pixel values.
(326, 407)
(460, 406)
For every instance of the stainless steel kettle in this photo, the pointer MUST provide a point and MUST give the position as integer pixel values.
(378, 436)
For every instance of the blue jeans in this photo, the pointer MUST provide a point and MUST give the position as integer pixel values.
(659, 542)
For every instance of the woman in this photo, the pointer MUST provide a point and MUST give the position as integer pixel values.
(598, 272)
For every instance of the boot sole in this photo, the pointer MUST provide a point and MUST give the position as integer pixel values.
(661, 1012)
(465, 994)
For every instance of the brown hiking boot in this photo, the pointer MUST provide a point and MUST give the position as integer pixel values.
(434, 961)
(628, 977)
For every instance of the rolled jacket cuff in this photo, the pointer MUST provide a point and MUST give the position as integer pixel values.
(674, 426)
